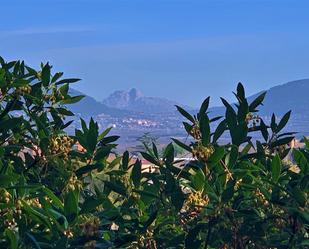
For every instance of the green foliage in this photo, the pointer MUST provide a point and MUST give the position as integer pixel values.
(242, 194)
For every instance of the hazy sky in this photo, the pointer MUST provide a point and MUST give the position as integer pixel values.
(184, 50)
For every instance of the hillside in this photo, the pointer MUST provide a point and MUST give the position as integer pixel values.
(289, 96)
(282, 98)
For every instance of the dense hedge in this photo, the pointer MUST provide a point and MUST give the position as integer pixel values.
(243, 194)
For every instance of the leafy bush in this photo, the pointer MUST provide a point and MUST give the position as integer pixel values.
(243, 194)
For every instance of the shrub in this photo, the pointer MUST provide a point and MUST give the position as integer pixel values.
(243, 194)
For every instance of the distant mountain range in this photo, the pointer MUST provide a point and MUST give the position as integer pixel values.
(293, 96)
(134, 100)
(133, 114)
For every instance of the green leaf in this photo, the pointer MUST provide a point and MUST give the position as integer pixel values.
(155, 150)
(64, 111)
(125, 160)
(117, 187)
(185, 114)
(182, 145)
(104, 133)
(204, 106)
(169, 153)
(35, 214)
(33, 240)
(299, 196)
(56, 201)
(56, 77)
(150, 158)
(90, 204)
(88, 168)
(217, 155)
(46, 75)
(72, 100)
(64, 89)
(219, 131)
(13, 238)
(145, 193)
(301, 160)
(102, 153)
(283, 121)
(256, 102)
(232, 157)
(273, 124)
(282, 141)
(69, 81)
(276, 168)
(198, 180)
(7, 180)
(264, 130)
(71, 205)
(228, 193)
(205, 129)
(108, 140)
(188, 127)
(240, 91)
(136, 174)
(177, 197)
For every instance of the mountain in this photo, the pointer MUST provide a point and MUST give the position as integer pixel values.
(134, 100)
(88, 106)
(293, 95)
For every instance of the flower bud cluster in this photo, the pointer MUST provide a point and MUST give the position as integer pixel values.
(61, 145)
(35, 202)
(73, 184)
(23, 90)
(68, 233)
(5, 196)
(90, 226)
(195, 132)
(196, 199)
(202, 152)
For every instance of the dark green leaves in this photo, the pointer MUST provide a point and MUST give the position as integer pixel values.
(185, 114)
(256, 102)
(205, 129)
(283, 121)
(276, 168)
(236, 124)
(198, 180)
(71, 208)
(204, 106)
(219, 130)
(136, 174)
(45, 75)
(67, 81)
(72, 100)
(182, 145)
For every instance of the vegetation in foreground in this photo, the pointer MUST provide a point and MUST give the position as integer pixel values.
(243, 194)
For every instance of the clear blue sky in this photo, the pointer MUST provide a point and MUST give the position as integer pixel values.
(184, 50)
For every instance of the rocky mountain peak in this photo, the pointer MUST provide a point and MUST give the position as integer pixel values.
(134, 94)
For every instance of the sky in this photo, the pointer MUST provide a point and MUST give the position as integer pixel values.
(184, 50)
